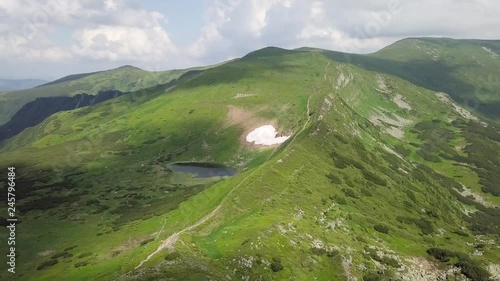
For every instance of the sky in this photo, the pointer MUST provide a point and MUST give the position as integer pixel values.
(49, 39)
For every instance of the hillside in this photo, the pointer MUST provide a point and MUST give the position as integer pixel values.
(467, 70)
(123, 79)
(382, 178)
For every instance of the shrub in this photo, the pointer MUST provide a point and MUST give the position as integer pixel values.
(84, 255)
(366, 192)
(461, 233)
(470, 268)
(406, 220)
(69, 248)
(402, 150)
(318, 251)
(173, 256)
(349, 192)
(62, 254)
(369, 176)
(92, 202)
(441, 254)
(381, 228)
(334, 179)
(332, 253)
(340, 200)
(276, 265)
(432, 213)
(147, 241)
(473, 271)
(425, 226)
(391, 262)
(371, 276)
(46, 264)
(411, 195)
(80, 264)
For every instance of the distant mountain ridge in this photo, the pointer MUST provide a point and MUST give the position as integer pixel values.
(125, 79)
(19, 84)
(77, 76)
(34, 112)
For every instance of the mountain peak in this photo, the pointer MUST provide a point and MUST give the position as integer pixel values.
(128, 66)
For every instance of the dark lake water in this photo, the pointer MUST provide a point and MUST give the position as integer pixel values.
(203, 170)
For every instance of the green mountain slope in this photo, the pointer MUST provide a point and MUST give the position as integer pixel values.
(474, 69)
(380, 179)
(124, 79)
(467, 70)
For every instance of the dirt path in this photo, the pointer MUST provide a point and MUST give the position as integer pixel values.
(172, 239)
(325, 76)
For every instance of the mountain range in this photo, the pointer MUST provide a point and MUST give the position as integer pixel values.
(390, 171)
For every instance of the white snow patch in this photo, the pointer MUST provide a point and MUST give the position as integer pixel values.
(265, 135)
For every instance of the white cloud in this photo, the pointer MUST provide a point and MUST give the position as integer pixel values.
(116, 43)
(113, 32)
(110, 30)
(236, 27)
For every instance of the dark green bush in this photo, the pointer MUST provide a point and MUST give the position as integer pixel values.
(366, 192)
(173, 256)
(92, 202)
(403, 219)
(81, 264)
(372, 177)
(402, 150)
(391, 262)
(473, 271)
(381, 228)
(441, 254)
(371, 276)
(69, 248)
(340, 200)
(425, 226)
(332, 253)
(84, 255)
(276, 265)
(411, 195)
(334, 179)
(349, 192)
(318, 251)
(46, 264)
(144, 242)
(62, 254)
(461, 233)
(470, 268)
